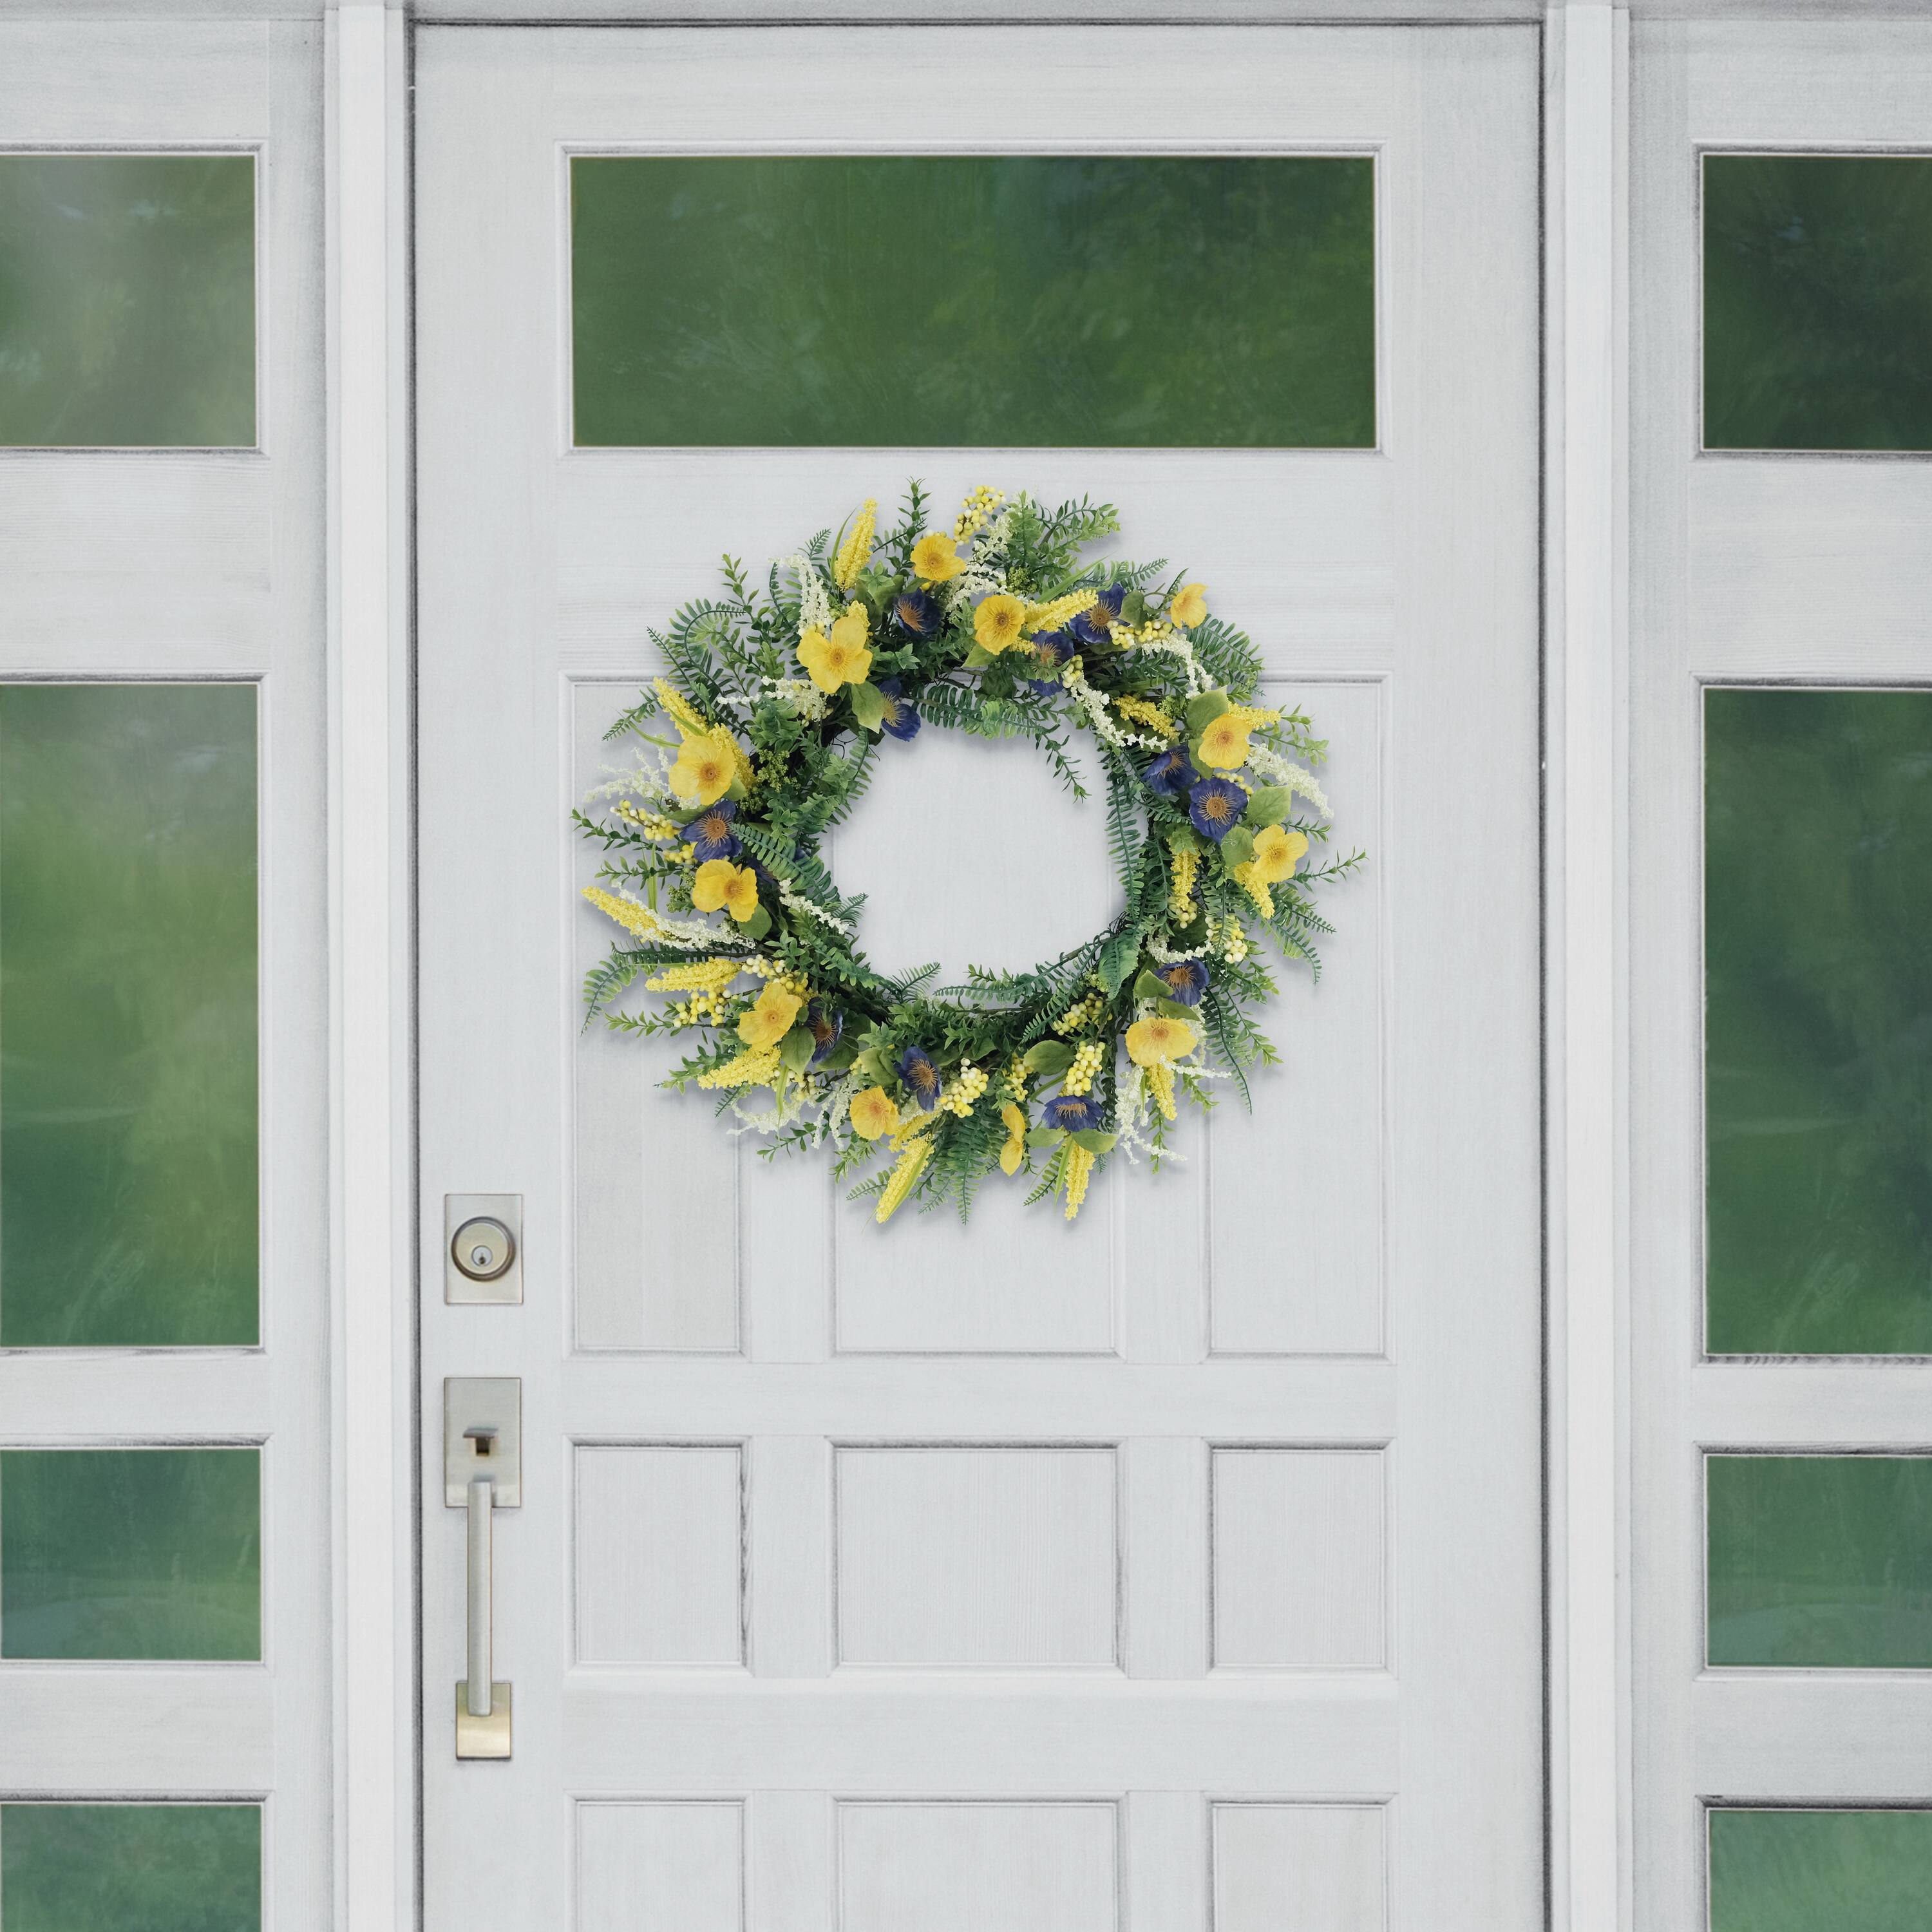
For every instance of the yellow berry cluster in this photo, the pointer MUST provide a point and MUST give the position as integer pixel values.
(980, 505)
(1016, 1082)
(1079, 1078)
(1154, 631)
(1082, 1013)
(967, 1084)
(1139, 711)
(1185, 862)
(652, 824)
(1227, 938)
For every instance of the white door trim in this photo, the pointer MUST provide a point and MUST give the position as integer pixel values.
(374, 1210)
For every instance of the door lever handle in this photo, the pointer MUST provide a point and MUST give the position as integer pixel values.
(482, 1472)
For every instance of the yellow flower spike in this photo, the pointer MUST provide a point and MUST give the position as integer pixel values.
(1224, 744)
(936, 559)
(1014, 1152)
(1189, 605)
(1160, 1083)
(1277, 852)
(769, 1017)
(1186, 861)
(996, 624)
(855, 552)
(911, 1165)
(910, 1130)
(1139, 711)
(840, 659)
(1248, 878)
(1051, 616)
(874, 1112)
(1076, 1169)
(636, 919)
(718, 885)
(679, 710)
(756, 1066)
(699, 975)
(706, 765)
(1157, 1038)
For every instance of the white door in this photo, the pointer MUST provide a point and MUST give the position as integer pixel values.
(1181, 1566)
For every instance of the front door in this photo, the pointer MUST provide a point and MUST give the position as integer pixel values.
(1178, 1566)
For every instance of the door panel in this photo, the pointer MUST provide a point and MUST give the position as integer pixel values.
(1187, 1559)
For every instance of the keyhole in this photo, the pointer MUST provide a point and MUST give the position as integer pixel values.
(480, 1258)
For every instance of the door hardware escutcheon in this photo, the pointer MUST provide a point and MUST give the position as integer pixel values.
(482, 1472)
(483, 1250)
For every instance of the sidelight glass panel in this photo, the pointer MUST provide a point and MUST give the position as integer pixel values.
(1818, 1871)
(1013, 301)
(145, 1553)
(127, 1015)
(126, 300)
(1820, 1561)
(1818, 964)
(108, 1867)
(1818, 302)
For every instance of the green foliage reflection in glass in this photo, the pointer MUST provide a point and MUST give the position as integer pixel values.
(158, 1867)
(1818, 1871)
(126, 300)
(130, 1553)
(1817, 301)
(1013, 301)
(1820, 1562)
(1818, 1001)
(127, 1015)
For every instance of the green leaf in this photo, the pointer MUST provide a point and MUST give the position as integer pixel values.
(1174, 1010)
(1148, 987)
(872, 1064)
(795, 1049)
(868, 705)
(1202, 711)
(1046, 1137)
(758, 924)
(1268, 805)
(979, 657)
(1093, 1141)
(1237, 848)
(1049, 1060)
(1133, 607)
(1117, 959)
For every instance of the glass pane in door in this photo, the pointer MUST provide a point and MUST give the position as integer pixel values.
(158, 1867)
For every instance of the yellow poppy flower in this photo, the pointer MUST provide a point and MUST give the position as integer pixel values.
(874, 1113)
(996, 624)
(769, 1020)
(1158, 1038)
(719, 883)
(936, 559)
(1014, 1152)
(1224, 744)
(842, 658)
(1277, 852)
(1189, 605)
(705, 764)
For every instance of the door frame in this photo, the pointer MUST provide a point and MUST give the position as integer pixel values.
(375, 1200)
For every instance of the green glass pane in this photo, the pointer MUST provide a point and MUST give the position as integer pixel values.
(130, 1553)
(1014, 301)
(1817, 301)
(1820, 1561)
(1818, 1079)
(131, 1868)
(126, 300)
(127, 1015)
(1818, 1871)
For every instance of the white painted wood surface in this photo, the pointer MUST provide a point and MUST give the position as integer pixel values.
(171, 565)
(679, 1292)
(1764, 568)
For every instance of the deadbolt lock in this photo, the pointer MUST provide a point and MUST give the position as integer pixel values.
(482, 1258)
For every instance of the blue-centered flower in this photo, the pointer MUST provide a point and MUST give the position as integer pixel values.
(1073, 1111)
(1215, 805)
(1092, 625)
(710, 832)
(1186, 980)
(1053, 649)
(824, 1024)
(901, 716)
(921, 1077)
(1170, 775)
(917, 613)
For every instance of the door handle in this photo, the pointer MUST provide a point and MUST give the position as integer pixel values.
(482, 1472)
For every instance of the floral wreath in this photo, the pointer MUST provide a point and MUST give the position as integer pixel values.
(712, 866)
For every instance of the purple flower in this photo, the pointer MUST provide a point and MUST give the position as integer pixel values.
(917, 613)
(824, 1024)
(1186, 980)
(1073, 1111)
(901, 716)
(1215, 805)
(921, 1077)
(1091, 626)
(1169, 776)
(1053, 649)
(710, 832)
